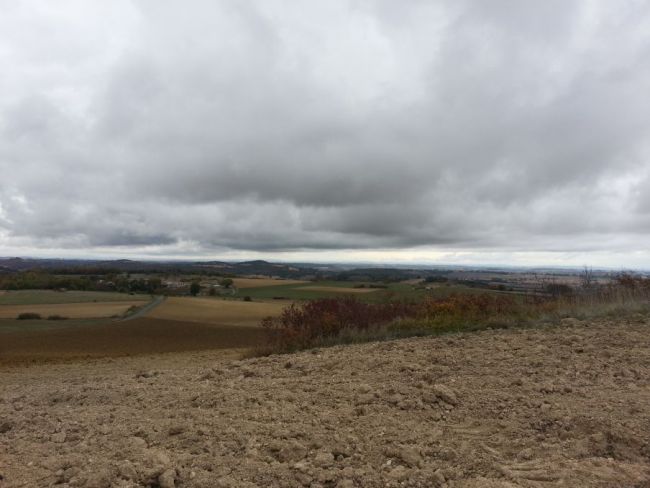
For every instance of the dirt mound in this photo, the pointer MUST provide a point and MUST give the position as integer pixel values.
(561, 407)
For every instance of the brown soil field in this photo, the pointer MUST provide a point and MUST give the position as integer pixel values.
(262, 282)
(338, 289)
(70, 310)
(215, 311)
(133, 337)
(565, 406)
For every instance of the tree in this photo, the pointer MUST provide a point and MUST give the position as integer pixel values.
(587, 278)
(195, 288)
(226, 282)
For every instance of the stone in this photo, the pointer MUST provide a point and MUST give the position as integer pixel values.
(291, 451)
(167, 479)
(177, 429)
(399, 473)
(408, 455)
(324, 459)
(445, 394)
(127, 471)
(59, 437)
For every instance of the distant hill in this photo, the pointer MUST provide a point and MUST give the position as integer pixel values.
(258, 267)
(68, 266)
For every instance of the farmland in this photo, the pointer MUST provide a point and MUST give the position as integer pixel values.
(46, 340)
(337, 289)
(243, 283)
(181, 322)
(371, 292)
(454, 409)
(70, 310)
(178, 324)
(215, 311)
(33, 297)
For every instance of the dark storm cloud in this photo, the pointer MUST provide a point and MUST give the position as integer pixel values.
(351, 124)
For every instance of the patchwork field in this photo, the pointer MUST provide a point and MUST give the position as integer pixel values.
(70, 310)
(178, 324)
(215, 311)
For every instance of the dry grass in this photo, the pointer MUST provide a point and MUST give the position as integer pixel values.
(70, 310)
(243, 283)
(338, 289)
(215, 311)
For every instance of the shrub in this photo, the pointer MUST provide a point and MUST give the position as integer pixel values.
(346, 319)
(226, 282)
(248, 299)
(57, 317)
(195, 288)
(29, 316)
(309, 323)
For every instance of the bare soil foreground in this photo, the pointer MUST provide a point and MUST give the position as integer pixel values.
(567, 406)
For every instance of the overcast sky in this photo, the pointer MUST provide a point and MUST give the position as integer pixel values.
(502, 131)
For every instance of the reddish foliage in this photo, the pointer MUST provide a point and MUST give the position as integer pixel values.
(311, 323)
(301, 324)
(305, 324)
(632, 282)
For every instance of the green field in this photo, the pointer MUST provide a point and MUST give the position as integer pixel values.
(314, 290)
(36, 297)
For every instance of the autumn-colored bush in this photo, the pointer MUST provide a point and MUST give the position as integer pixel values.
(304, 324)
(345, 319)
(631, 282)
(307, 324)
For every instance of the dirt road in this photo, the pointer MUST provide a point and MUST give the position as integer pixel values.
(561, 407)
(142, 312)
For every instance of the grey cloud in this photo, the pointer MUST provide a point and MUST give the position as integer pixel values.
(340, 125)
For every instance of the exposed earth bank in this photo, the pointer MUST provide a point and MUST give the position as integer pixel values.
(564, 406)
